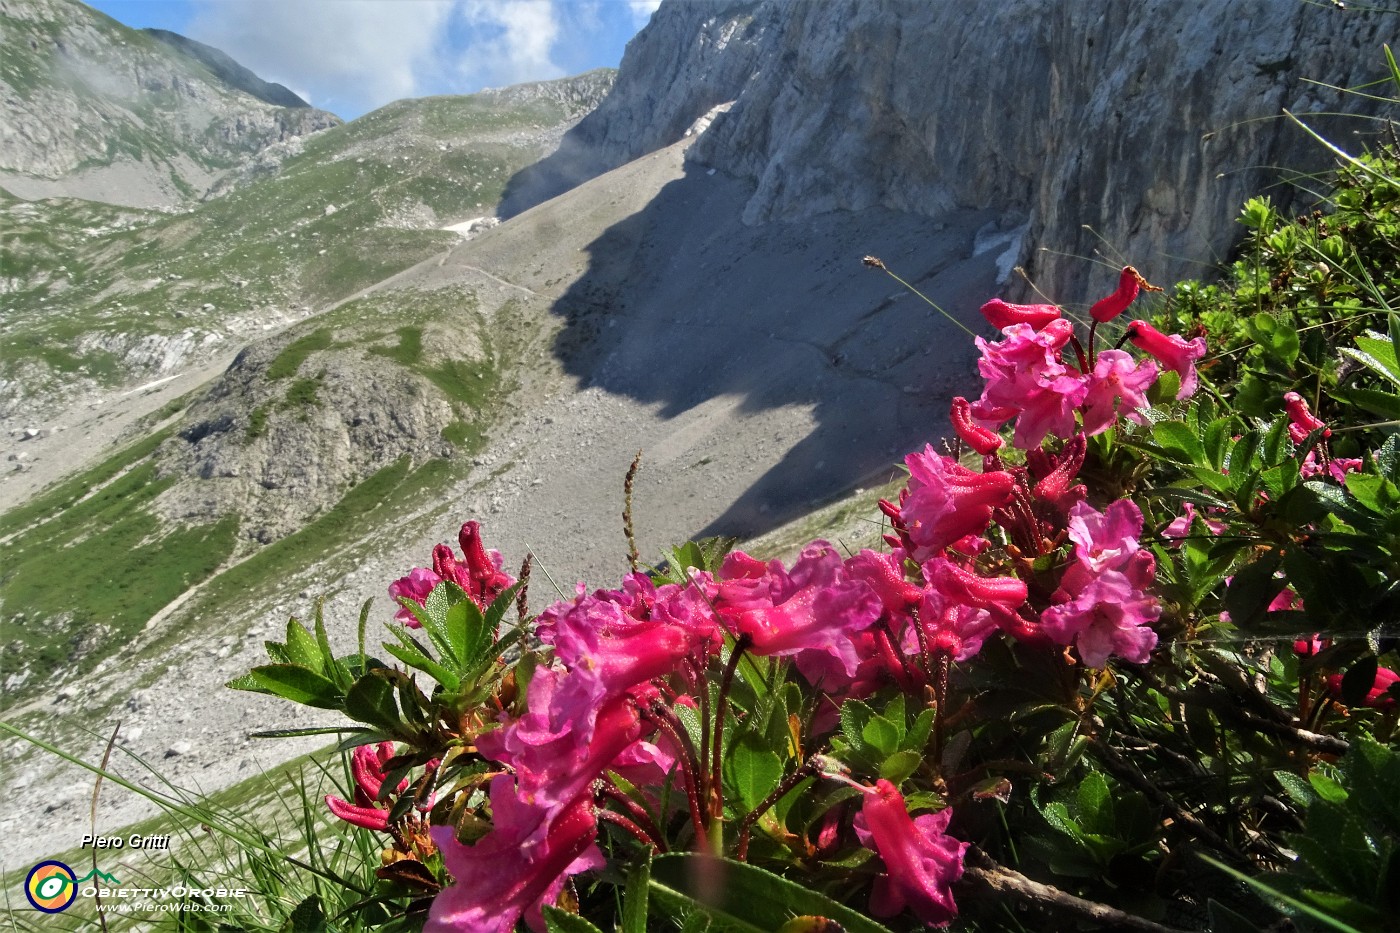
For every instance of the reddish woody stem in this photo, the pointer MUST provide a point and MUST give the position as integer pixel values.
(617, 819)
(807, 768)
(638, 814)
(666, 722)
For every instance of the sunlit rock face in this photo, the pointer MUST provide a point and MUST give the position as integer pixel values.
(1127, 131)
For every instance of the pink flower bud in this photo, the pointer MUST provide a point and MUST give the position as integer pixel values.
(980, 439)
(1004, 594)
(1000, 314)
(1302, 421)
(1129, 283)
(1173, 352)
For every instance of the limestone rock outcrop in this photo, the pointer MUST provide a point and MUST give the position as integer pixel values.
(1127, 131)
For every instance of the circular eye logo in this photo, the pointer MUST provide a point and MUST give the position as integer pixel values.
(51, 887)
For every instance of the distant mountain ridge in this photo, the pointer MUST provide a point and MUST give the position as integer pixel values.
(95, 110)
(228, 70)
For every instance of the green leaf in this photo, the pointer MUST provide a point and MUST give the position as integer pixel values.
(1377, 401)
(753, 771)
(434, 620)
(467, 632)
(1374, 492)
(741, 898)
(370, 700)
(897, 767)
(559, 921)
(1296, 787)
(1326, 788)
(302, 648)
(634, 898)
(307, 917)
(1179, 442)
(1095, 804)
(1057, 815)
(1377, 353)
(854, 716)
(330, 667)
(415, 655)
(881, 735)
(1275, 447)
(297, 684)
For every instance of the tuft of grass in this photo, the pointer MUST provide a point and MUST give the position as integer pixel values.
(302, 393)
(257, 422)
(288, 363)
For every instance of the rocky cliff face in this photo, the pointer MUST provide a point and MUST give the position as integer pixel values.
(229, 71)
(98, 111)
(1127, 129)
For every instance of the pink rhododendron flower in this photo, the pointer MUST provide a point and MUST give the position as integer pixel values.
(479, 574)
(1379, 696)
(815, 607)
(1337, 467)
(1180, 527)
(1173, 352)
(1116, 386)
(565, 740)
(946, 501)
(1105, 540)
(1106, 616)
(1103, 605)
(950, 626)
(1001, 314)
(1026, 381)
(1301, 420)
(516, 868)
(921, 860)
(416, 586)
(367, 769)
(1129, 284)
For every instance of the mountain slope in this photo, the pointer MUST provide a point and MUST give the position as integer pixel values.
(100, 305)
(229, 71)
(98, 111)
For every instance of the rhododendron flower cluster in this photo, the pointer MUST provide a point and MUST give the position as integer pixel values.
(478, 573)
(1028, 378)
(621, 716)
(367, 771)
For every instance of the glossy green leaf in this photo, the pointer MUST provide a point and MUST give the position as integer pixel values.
(295, 683)
(370, 700)
(740, 898)
(753, 771)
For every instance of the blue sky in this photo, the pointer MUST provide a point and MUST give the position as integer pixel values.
(351, 56)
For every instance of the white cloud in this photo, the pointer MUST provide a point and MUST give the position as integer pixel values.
(355, 53)
(350, 56)
(509, 41)
(642, 10)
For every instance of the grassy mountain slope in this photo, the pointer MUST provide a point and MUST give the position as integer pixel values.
(97, 110)
(96, 305)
